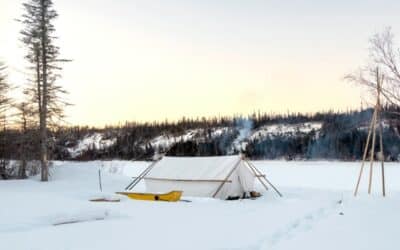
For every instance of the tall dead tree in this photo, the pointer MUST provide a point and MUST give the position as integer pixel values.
(39, 38)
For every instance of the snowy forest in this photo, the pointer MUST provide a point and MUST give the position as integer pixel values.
(328, 135)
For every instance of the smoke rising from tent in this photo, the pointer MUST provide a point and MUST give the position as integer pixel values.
(244, 127)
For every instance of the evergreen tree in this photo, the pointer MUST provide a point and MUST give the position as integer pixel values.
(5, 105)
(39, 38)
(26, 123)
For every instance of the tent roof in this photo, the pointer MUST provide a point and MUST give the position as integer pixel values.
(194, 168)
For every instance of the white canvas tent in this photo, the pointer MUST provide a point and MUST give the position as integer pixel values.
(219, 177)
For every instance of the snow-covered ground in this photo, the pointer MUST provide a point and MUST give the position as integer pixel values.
(317, 212)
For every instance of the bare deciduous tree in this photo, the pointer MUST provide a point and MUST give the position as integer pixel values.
(386, 57)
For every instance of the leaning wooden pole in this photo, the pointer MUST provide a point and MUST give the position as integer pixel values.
(137, 178)
(377, 117)
(371, 158)
(377, 108)
(256, 175)
(141, 176)
(381, 154)
(226, 178)
(265, 178)
(135, 181)
(365, 154)
(382, 158)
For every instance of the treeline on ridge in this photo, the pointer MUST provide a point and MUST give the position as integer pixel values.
(342, 136)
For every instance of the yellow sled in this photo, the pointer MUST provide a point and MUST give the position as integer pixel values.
(171, 196)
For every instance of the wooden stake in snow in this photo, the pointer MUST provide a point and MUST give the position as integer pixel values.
(376, 117)
(101, 188)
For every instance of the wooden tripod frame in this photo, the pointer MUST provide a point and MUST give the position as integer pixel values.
(376, 117)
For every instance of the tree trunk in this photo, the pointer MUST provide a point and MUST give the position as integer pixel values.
(22, 170)
(43, 113)
(4, 162)
(3, 165)
(24, 148)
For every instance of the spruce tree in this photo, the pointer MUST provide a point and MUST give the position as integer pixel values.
(39, 38)
(5, 105)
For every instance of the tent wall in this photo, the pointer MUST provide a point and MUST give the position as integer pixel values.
(190, 169)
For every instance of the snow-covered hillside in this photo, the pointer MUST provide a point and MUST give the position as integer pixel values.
(92, 141)
(165, 141)
(270, 131)
(337, 138)
(97, 141)
(317, 212)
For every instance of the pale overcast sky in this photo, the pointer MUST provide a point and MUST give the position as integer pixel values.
(151, 60)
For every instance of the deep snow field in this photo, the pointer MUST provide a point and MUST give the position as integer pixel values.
(317, 211)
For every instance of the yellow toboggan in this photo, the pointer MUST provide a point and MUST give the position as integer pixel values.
(170, 196)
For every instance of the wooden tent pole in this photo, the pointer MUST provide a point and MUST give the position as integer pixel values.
(146, 171)
(265, 178)
(140, 177)
(137, 180)
(227, 177)
(378, 90)
(184, 180)
(382, 155)
(382, 158)
(256, 169)
(365, 154)
(371, 158)
(257, 175)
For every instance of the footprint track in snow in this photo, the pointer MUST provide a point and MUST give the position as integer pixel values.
(302, 224)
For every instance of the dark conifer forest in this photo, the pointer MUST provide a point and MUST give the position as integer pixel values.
(338, 135)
